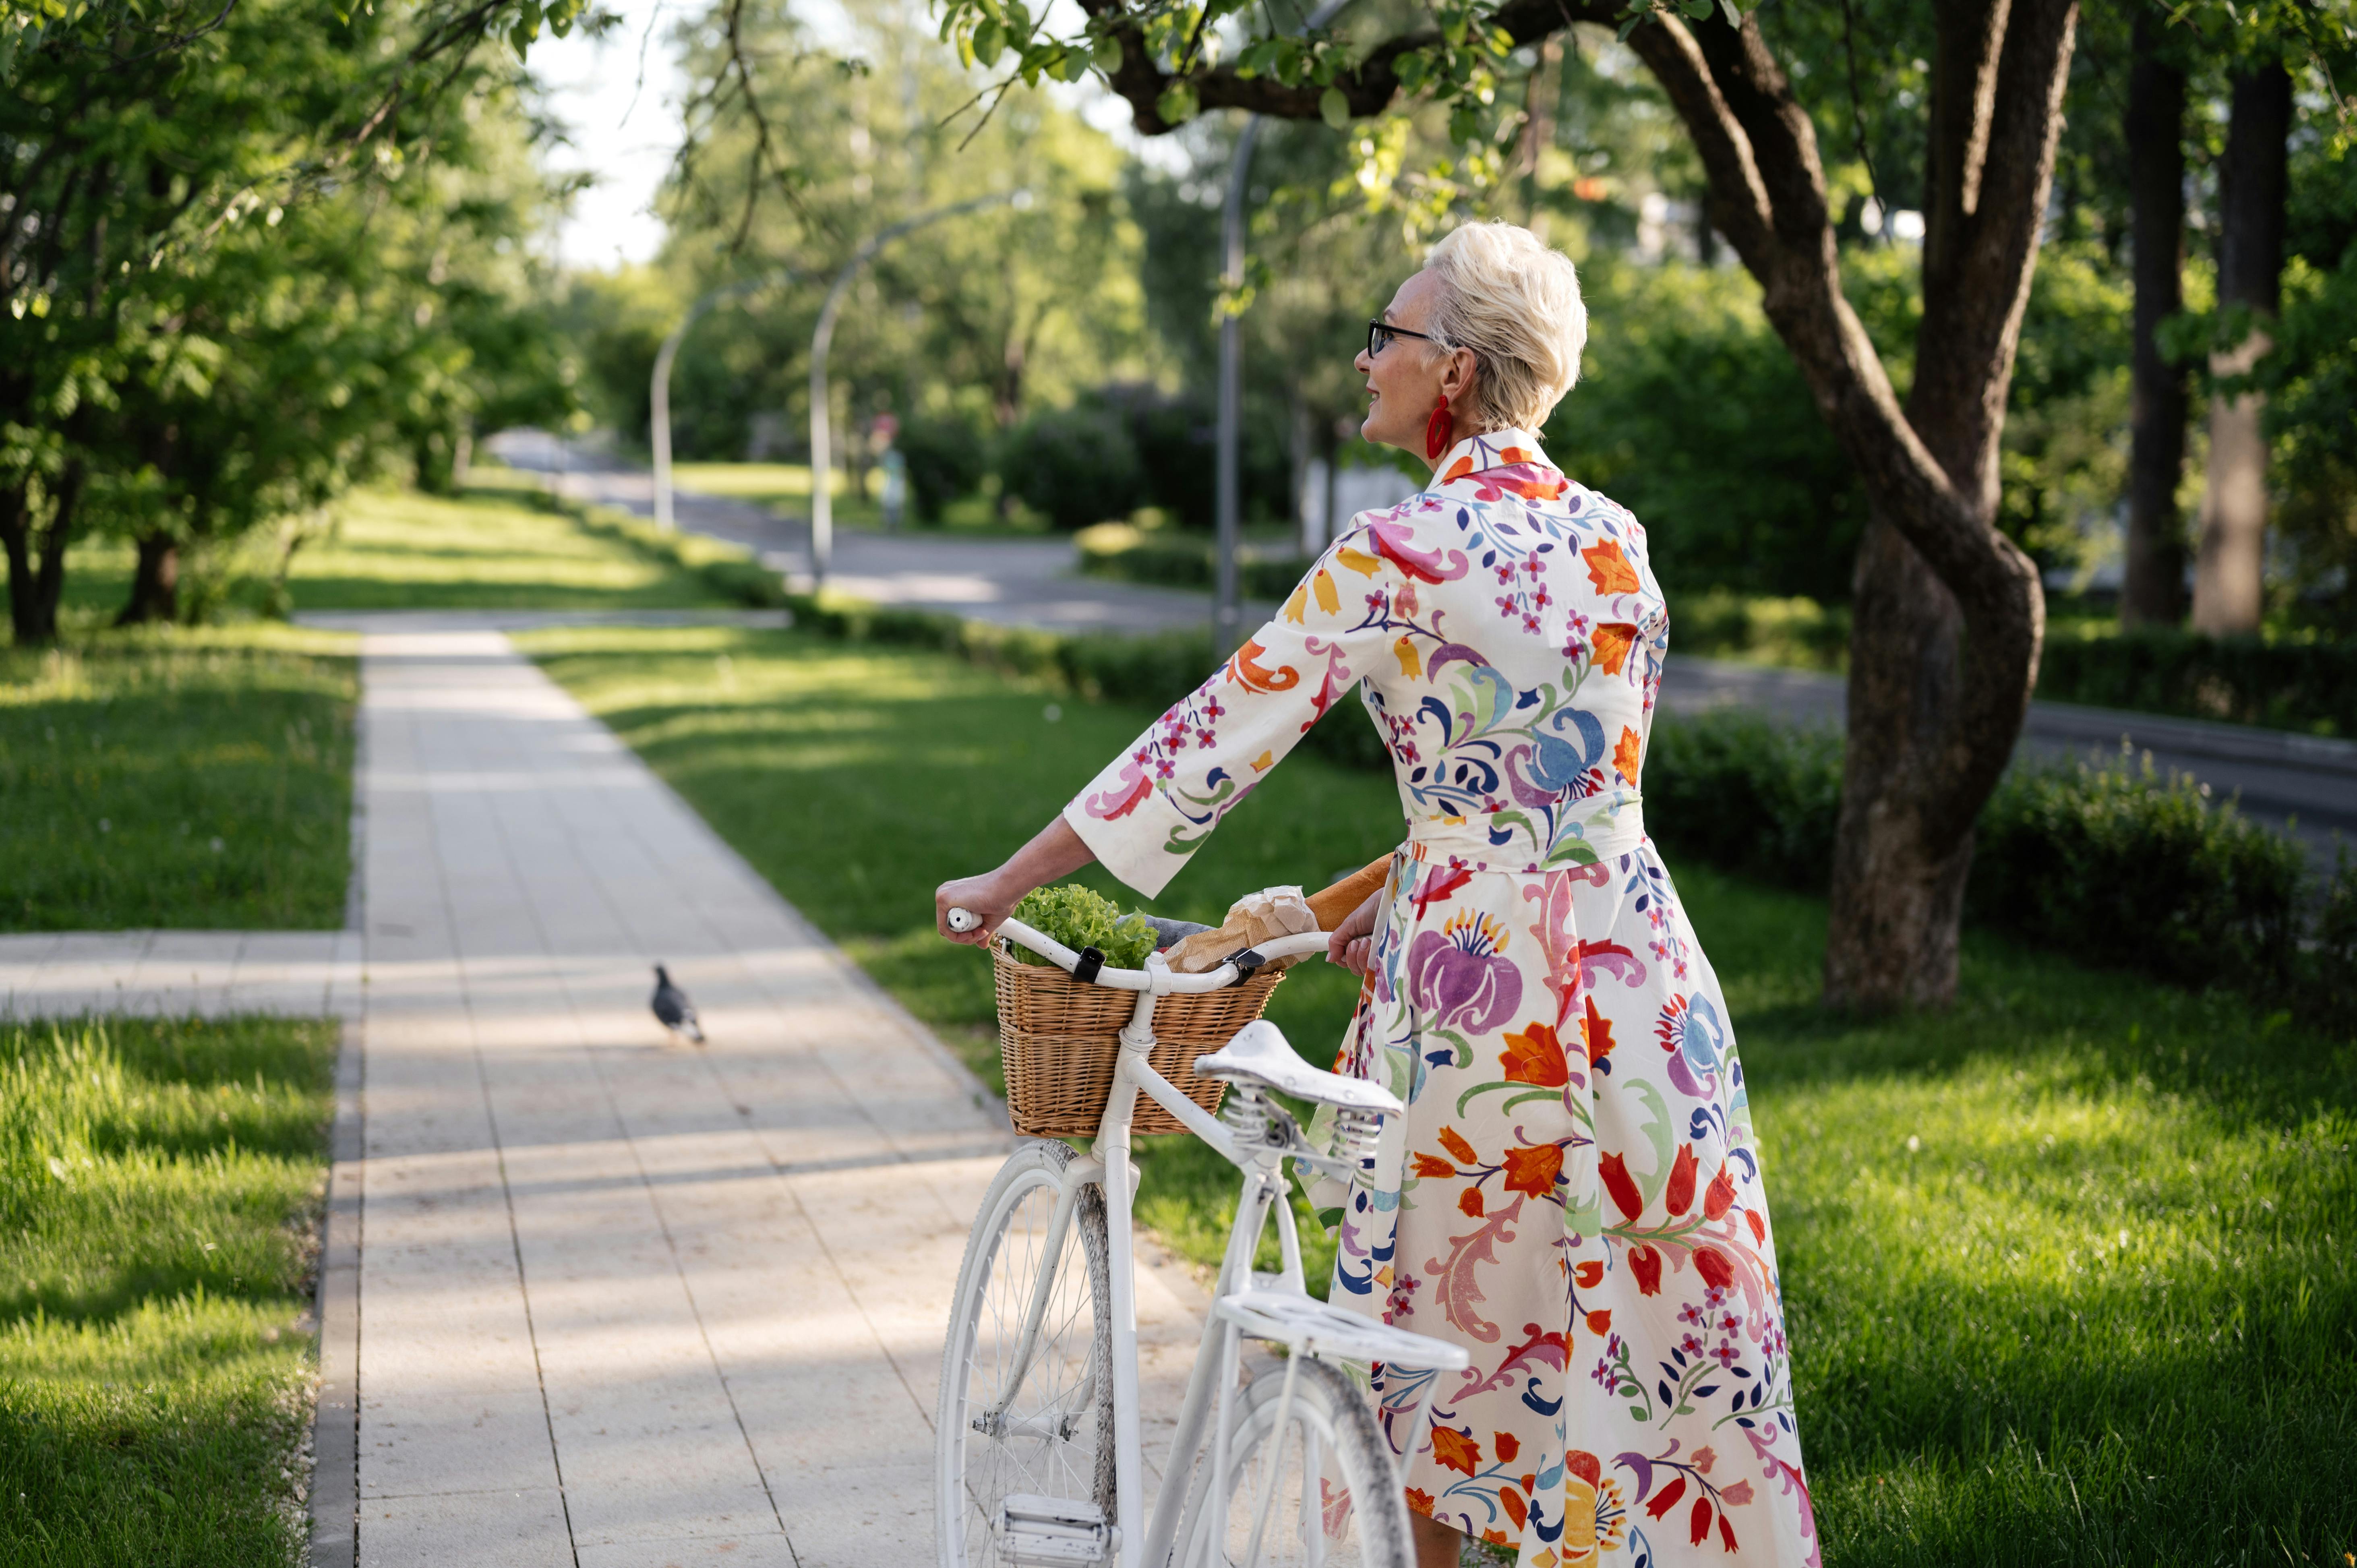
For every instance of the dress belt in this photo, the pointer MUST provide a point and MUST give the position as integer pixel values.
(1614, 828)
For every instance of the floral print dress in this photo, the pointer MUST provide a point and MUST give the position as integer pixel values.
(1575, 1195)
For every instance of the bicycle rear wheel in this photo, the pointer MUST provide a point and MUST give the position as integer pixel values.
(1329, 1468)
(1008, 1423)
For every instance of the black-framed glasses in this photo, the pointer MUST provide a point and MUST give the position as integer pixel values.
(1380, 333)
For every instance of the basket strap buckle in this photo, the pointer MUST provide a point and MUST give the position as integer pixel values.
(1085, 972)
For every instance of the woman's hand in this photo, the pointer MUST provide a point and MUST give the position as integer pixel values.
(1055, 850)
(1349, 943)
(987, 896)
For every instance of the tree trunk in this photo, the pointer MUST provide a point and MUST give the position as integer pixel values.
(2229, 572)
(1891, 937)
(36, 554)
(155, 582)
(17, 538)
(1942, 662)
(2154, 592)
(1949, 614)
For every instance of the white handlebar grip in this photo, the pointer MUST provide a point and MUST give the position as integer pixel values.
(963, 919)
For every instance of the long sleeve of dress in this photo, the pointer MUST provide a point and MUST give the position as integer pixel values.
(1153, 805)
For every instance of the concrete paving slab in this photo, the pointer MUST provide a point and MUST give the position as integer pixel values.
(173, 973)
(481, 1529)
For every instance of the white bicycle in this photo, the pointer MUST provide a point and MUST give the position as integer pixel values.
(1037, 1454)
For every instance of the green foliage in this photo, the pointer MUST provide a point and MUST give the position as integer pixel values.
(160, 1184)
(2110, 866)
(254, 265)
(2204, 885)
(979, 318)
(2063, 464)
(183, 779)
(2296, 682)
(946, 461)
(2311, 383)
(1692, 414)
(1082, 917)
(1077, 466)
(1746, 795)
(1798, 633)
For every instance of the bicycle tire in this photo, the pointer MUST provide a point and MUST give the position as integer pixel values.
(1328, 1402)
(1066, 1448)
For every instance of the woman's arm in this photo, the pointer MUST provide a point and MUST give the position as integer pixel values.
(1055, 851)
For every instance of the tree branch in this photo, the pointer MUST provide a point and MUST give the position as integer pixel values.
(1991, 164)
(1367, 87)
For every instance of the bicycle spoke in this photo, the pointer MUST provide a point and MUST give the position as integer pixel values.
(1030, 1418)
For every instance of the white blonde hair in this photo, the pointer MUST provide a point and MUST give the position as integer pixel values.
(1514, 300)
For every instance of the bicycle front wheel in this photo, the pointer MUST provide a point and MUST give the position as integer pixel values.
(1027, 1389)
(1319, 1488)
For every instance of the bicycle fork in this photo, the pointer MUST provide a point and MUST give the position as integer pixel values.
(993, 1421)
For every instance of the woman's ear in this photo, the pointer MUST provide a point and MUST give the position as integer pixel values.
(1457, 378)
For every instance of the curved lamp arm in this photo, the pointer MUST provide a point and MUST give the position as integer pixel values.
(659, 387)
(1227, 604)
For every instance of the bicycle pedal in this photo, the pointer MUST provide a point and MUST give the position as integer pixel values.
(1053, 1533)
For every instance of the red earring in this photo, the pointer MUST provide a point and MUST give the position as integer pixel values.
(1437, 431)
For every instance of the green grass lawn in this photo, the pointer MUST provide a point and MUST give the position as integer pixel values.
(2069, 1268)
(158, 1187)
(498, 544)
(192, 778)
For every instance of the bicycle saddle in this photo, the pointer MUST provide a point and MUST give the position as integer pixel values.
(1259, 1052)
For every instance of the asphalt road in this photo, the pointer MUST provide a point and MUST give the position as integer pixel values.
(2303, 784)
(1013, 582)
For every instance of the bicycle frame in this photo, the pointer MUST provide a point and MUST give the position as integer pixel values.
(1108, 1165)
(1214, 1378)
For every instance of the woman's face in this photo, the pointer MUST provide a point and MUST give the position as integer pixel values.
(1408, 378)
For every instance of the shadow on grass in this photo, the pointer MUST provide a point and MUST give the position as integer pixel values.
(162, 1159)
(178, 781)
(155, 1200)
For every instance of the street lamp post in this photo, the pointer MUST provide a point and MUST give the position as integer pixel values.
(822, 338)
(659, 387)
(1227, 603)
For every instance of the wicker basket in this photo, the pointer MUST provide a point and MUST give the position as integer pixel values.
(1060, 1040)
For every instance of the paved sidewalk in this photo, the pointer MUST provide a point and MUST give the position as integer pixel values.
(622, 1301)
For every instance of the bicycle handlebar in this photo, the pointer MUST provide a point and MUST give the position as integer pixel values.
(1158, 977)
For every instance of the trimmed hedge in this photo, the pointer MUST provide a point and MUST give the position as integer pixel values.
(2112, 865)
(2118, 867)
(2297, 684)
(1162, 560)
(725, 569)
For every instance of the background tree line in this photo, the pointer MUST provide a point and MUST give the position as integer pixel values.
(1905, 307)
(2004, 137)
(255, 250)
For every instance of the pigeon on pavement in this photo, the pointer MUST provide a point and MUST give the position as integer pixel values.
(672, 1008)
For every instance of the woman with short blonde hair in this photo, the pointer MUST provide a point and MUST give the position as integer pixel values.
(1575, 1195)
